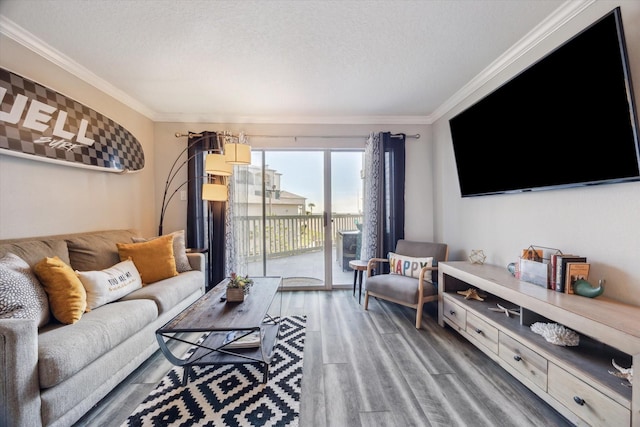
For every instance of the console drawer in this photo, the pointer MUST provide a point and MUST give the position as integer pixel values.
(593, 406)
(454, 312)
(524, 360)
(480, 330)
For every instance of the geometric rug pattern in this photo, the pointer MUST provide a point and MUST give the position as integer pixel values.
(232, 395)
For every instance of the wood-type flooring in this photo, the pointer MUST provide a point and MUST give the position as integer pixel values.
(373, 368)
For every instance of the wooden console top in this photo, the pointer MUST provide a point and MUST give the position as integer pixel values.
(604, 319)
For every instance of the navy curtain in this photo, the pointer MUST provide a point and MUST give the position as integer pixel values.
(205, 220)
(393, 161)
(384, 195)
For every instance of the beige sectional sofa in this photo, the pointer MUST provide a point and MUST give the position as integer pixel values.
(52, 375)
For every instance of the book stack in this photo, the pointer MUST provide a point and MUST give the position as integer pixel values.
(566, 269)
(240, 339)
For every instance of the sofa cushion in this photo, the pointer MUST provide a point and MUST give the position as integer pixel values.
(409, 266)
(179, 250)
(21, 294)
(402, 288)
(110, 284)
(65, 350)
(169, 292)
(33, 251)
(97, 250)
(153, 259)
(67, 297)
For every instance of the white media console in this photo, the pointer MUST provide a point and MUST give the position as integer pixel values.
(573, 380)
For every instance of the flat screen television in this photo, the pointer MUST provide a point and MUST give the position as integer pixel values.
(567, 120)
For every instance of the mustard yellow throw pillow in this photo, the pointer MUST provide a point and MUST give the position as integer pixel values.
(67, 297)
(153, 259)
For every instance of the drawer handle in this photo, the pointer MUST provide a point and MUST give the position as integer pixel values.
(478, 331)
(451, 312)
(578, 400)
(517, 358)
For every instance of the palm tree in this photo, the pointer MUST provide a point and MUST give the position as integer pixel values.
(311, 206)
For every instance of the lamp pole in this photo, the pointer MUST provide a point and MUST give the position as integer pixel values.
(173, 171)
(245, 158)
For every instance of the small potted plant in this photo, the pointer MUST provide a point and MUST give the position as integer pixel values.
(238, 287)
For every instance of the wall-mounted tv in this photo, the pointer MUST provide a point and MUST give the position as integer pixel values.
(568, 120)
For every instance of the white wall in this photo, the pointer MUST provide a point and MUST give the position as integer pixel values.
(38, 198)
(419, 179)
(601, 222)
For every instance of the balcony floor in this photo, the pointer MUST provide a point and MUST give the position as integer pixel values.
(304, 270)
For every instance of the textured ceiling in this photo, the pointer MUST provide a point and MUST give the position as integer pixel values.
(277, 60)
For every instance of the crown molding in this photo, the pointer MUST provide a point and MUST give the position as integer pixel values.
(552, 23)
(41, 48)
(334, 120)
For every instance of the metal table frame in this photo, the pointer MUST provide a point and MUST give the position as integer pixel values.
(215, 317)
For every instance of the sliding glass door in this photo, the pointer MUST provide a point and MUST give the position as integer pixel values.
(286, 205)
(299, 203)
(346, 212)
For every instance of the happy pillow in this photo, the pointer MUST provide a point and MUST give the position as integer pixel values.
(409, 266)
(110, 284)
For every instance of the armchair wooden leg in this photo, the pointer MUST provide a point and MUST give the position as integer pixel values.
(419, 315)
(366, 300)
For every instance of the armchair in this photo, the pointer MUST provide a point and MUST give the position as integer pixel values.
(412, 284)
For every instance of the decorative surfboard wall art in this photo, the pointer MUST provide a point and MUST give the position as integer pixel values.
(41, 124)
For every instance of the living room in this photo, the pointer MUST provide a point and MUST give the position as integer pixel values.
(601, 222)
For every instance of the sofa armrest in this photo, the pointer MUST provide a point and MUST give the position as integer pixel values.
(196, 260)
(19, 381)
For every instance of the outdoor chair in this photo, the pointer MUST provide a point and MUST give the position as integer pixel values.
(413, 275)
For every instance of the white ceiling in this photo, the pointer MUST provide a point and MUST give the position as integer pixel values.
(278, 61)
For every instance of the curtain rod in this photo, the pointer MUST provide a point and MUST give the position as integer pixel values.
(180, 135)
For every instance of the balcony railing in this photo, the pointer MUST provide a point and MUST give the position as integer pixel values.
(280, 236)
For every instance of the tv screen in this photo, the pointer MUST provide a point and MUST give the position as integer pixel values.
(567, 120)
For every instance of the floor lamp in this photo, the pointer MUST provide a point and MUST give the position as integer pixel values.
(218, 167)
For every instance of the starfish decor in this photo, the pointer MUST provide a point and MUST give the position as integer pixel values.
(624, 373)
(506, 311)
(472, 294)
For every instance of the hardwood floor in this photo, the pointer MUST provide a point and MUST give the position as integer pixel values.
(373, 368)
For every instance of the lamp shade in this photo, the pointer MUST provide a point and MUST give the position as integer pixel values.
(237, 154)
(214, 192)
(216, 164)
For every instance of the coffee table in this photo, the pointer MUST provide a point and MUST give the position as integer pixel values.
(212, 315)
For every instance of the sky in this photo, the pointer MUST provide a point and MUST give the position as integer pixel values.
(302, 174)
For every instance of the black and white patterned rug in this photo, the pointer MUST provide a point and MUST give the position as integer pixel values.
(232, 395)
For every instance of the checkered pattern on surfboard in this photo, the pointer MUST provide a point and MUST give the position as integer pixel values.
(114, 147)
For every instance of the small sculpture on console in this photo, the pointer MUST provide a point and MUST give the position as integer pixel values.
(507, 311)
(472, 293)
(584, 288)
(477, 256)
(625, 373)
(556, 334)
